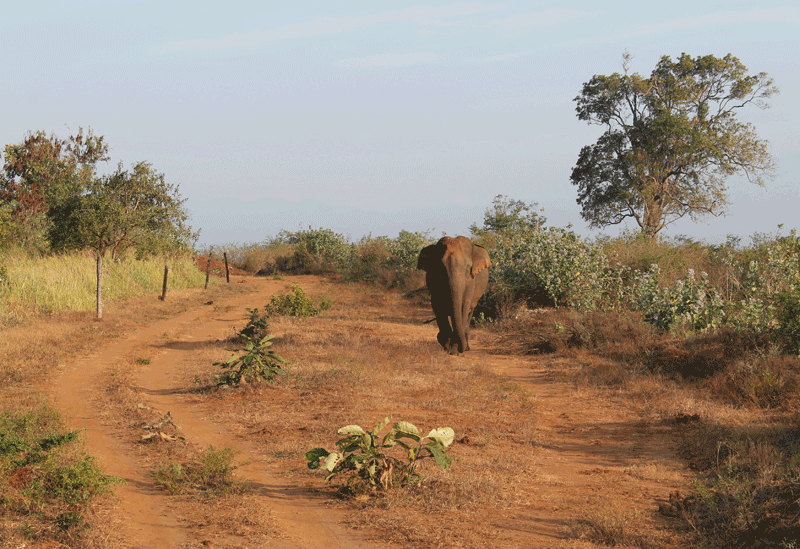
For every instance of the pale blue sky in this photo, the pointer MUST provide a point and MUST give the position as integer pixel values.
(382, 106)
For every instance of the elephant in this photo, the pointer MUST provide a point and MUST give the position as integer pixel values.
(457, 273)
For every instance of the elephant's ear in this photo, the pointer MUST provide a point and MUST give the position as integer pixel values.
(480, 260)
(424, 258)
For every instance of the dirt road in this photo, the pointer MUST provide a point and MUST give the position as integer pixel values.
(584, 447)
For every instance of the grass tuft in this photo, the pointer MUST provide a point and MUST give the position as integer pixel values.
(210, 473)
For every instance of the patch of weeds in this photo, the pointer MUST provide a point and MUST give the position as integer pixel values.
(210, 474)
(47, 481)
(364, 457)
(143, 361)
(296, 304)
(258, 363)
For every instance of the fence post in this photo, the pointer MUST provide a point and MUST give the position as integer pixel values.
(227, 273)
(208, 270)
(164, 289)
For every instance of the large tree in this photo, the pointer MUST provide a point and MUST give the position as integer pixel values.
(670, 141)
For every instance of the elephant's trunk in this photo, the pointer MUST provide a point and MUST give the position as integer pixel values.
(458, 285)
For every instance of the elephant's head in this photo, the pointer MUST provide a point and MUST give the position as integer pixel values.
(451, 267)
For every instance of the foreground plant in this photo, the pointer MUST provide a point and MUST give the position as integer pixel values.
(258, 363)
(363, 456)
(47, 481)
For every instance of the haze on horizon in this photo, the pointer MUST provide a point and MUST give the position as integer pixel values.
(404, 110)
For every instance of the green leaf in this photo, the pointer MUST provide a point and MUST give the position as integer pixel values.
(350, 444)
(438, 454)
(314, 455)
(406, 427)
(442, 435)
(380, 426)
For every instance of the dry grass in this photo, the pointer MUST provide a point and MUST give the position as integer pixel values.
(613, 524)
(731, 399)
(235, 521)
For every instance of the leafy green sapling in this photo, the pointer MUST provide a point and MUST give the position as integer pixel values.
(363, 456)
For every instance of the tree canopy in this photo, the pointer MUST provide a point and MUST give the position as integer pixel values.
(125, 209)
(51, 197)
(670, 141)
(39, 175)
(507, 215)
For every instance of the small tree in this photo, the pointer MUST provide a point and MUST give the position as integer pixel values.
(508, 216)
(120, 211)
(671, 141)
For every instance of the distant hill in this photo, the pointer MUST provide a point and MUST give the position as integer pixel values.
(236, 220)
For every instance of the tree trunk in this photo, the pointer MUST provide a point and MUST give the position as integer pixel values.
(99, 286)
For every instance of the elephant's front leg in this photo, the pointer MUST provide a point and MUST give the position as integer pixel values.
(441, 308)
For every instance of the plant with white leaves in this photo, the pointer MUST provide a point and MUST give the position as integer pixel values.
(690, 302)
(364, 456)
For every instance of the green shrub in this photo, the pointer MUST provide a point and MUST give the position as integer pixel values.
(295, 304)
(58, 479)
(690, 302)
(257, 326)
(257, 363)
(547, 266)
(787, 331)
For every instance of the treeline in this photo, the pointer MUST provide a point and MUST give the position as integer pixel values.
(679, 285)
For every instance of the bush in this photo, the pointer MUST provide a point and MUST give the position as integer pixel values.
(318, 250)
(295, 304)
(690, 302)
(787, 331)
(54, 481)
(547, 267)
(257, 326)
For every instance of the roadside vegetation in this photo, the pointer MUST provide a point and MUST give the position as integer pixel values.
(47, 482)
(43, 285)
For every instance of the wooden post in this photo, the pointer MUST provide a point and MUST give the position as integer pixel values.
(227, 273)
(208, 270)
(164, 289)
(99, 286)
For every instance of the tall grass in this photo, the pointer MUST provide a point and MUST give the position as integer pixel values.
(62, 283)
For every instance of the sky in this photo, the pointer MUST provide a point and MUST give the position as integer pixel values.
(367, 117)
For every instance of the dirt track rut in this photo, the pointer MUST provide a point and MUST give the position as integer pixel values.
(302, 519)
